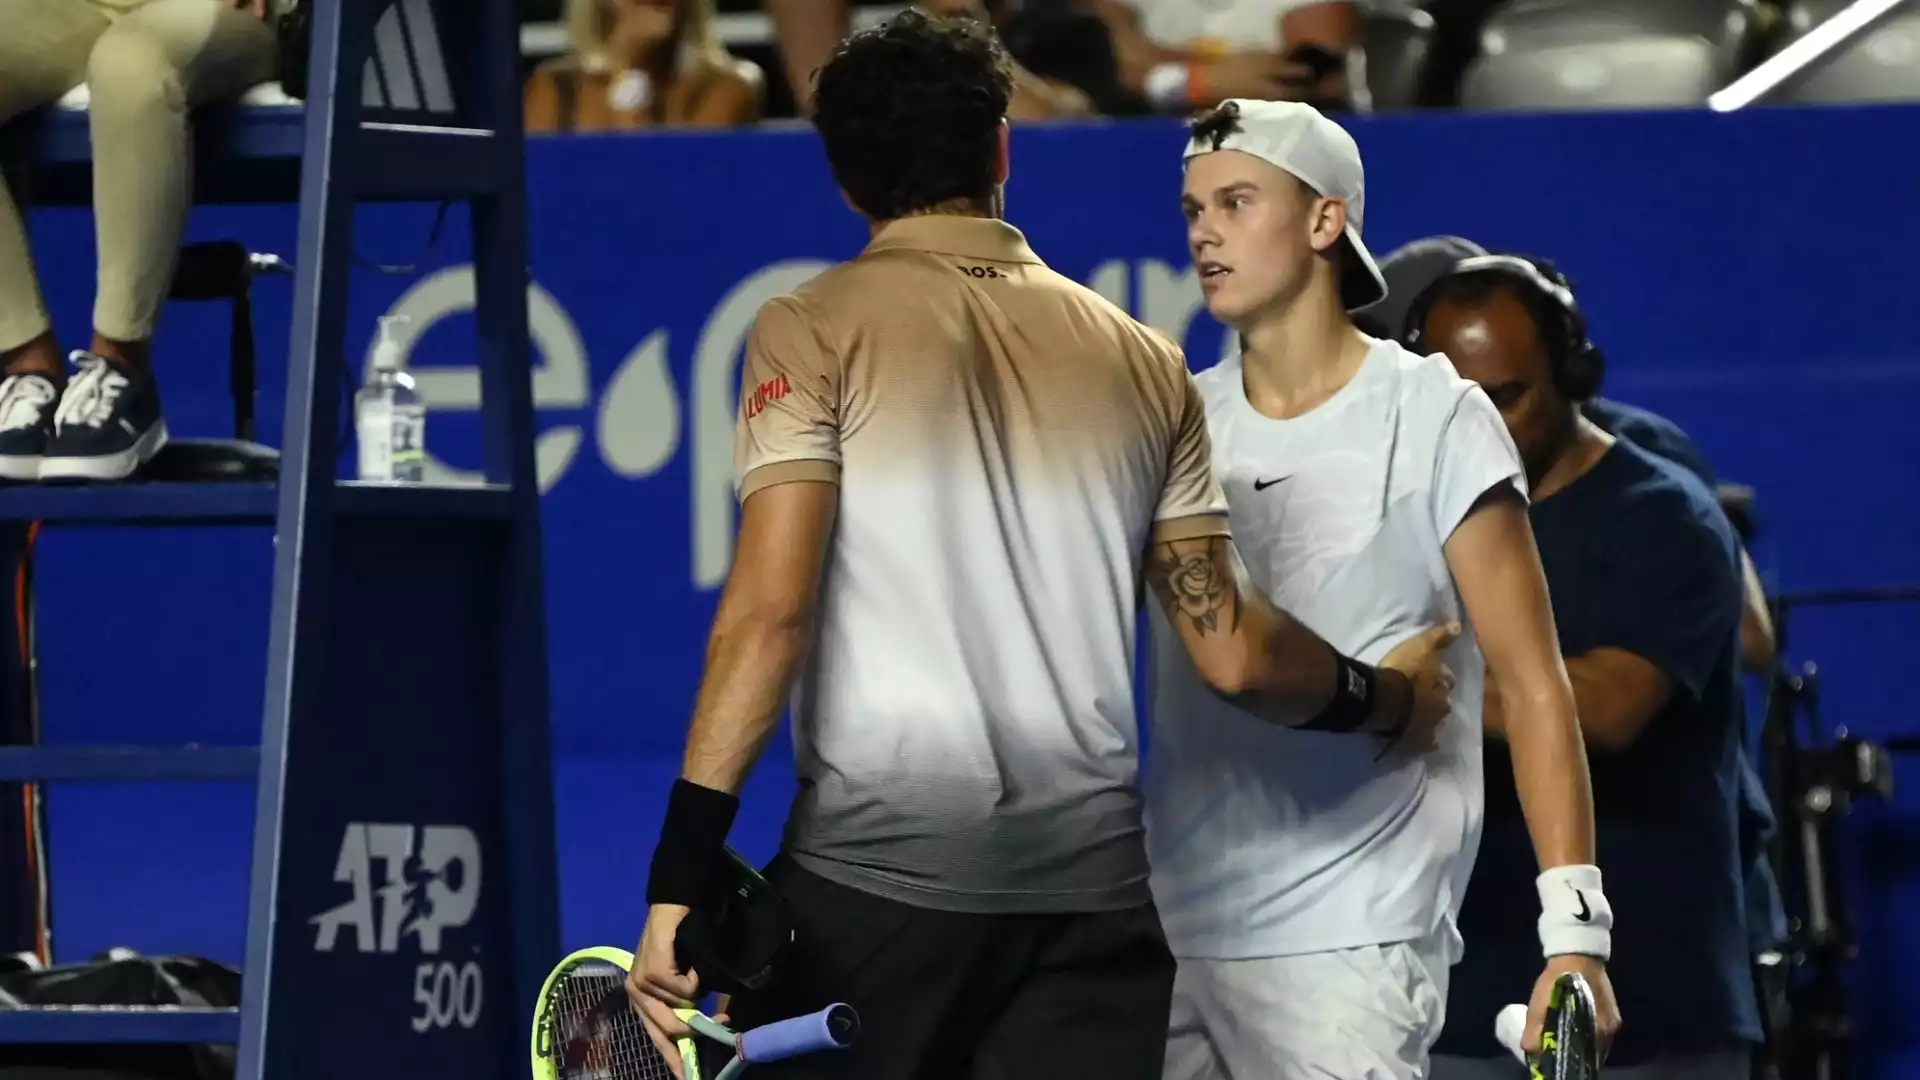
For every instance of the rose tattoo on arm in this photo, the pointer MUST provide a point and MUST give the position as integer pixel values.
(1191, 580)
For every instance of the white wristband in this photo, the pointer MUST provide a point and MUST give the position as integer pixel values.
(1575, 917)
(1166, 85)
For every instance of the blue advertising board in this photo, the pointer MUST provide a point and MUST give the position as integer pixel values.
(1746, 274)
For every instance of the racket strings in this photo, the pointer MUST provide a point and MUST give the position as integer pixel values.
(595, 1033)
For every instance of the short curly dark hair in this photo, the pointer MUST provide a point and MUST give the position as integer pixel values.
(910, 113)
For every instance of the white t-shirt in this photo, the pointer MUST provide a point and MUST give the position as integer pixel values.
(1266, 841)
(1215, 25)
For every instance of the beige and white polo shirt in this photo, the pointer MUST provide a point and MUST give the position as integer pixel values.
(1006, 444)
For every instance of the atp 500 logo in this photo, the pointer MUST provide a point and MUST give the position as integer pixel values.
(411, 884)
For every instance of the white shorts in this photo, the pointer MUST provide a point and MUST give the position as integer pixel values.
(1370, 1013)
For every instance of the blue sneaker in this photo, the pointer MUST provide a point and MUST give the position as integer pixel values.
(26, 424)
(108, 423)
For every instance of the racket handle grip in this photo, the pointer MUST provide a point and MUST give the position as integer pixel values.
(832, 1028)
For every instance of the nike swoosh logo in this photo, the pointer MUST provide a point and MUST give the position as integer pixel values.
(1262, 485)
(1585, 914)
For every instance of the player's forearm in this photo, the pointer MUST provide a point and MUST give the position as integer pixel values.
(1556, 795)
(1287, 672)
(749, 662)
(1294, 675)
(750, 665)
(806, 31)
(1249, 651)
(1550, 772)
(1504, 589)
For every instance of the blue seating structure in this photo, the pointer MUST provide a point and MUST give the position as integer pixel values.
(403, 907)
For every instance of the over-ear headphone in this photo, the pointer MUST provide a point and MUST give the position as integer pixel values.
(1578, 366)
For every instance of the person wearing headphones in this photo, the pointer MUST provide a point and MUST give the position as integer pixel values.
(1417, 264)
(1412, 267)
(1642, 568)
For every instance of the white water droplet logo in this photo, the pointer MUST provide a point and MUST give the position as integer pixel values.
(639, 415)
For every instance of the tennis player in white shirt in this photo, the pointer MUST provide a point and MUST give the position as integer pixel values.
(1308, 882)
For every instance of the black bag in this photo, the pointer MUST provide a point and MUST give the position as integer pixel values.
(134, 980)
(293, 31)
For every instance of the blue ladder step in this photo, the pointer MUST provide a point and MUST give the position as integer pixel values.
(93, 1024)
(437, 159)
(240, 502)
(29, 764)
(60, 136)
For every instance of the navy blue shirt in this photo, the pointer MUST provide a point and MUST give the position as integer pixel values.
(1766, 914)
(1651, 432)
(1638, 558)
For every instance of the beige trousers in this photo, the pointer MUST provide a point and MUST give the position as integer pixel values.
(146, 63)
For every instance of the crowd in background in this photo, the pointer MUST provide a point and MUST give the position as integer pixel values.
(646, 63)
(615, 65)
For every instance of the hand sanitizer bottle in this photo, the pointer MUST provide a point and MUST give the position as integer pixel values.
(390, 420)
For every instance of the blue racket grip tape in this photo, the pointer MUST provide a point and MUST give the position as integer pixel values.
(832, 1028)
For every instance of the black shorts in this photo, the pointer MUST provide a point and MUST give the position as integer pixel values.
(950, 996)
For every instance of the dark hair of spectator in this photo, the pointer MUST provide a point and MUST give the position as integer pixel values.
(910, 114)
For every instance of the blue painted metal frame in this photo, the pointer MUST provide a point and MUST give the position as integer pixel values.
(347, 155)
(51, 763)
(306, 483)
(81, 1025)
(61, 136)
(239, 503)
(503, 275)
(345, 159)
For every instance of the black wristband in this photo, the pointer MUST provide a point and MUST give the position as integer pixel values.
(693, 837)
(1355, 686)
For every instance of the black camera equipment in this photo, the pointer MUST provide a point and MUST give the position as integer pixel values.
(1813, 778)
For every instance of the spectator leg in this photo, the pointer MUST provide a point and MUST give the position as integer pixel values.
(146, 74)
(43, 54)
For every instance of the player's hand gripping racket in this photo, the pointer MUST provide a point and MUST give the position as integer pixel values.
(584, 1028)
(1569, 1039)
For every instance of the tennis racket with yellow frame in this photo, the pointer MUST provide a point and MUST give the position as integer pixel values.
(1569, 1037)
(585, 1028)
